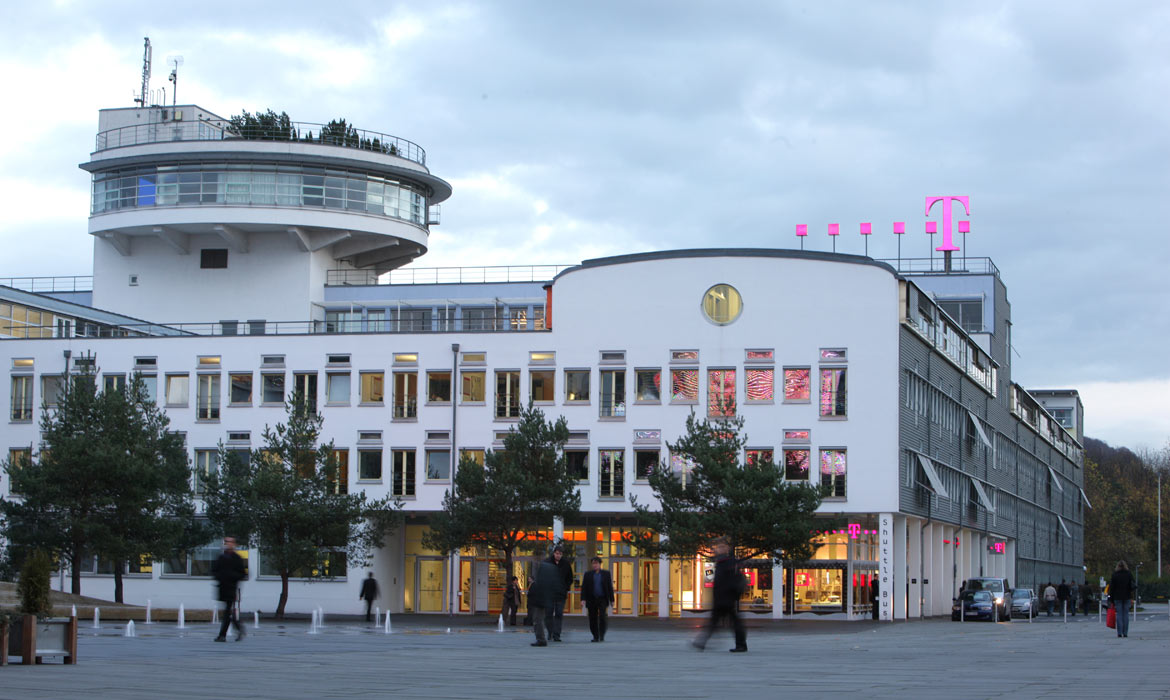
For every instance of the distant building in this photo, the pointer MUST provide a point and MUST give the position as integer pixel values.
(266, 261)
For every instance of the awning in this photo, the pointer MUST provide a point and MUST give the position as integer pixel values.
(1085, 498)
(1063, 526)
(983, 496)
(979, 429)
(1055, 479)
(932, 476)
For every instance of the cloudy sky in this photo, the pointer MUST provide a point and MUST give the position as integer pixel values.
(576, 130)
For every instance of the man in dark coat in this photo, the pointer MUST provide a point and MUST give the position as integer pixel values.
(597, 595)
(228, 570)
(555, 612)
(1062, 596)
(1121, 589)
(511, 600)
(369, 593)
(726, 589)
(544, 592)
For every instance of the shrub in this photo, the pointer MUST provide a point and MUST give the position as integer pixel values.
(34, 584)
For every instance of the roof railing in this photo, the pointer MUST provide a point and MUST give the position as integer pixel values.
(42, 285)
(445, 275)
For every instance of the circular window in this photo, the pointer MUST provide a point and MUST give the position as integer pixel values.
(722, 304)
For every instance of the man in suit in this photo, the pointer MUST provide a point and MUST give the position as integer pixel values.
(597, 595)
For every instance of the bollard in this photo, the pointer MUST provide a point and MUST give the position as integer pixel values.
(1064, 610)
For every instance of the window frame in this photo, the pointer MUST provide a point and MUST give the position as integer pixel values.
(578, 372)
(406, 486)
(613, 488)
(208, 397)
(617, 406)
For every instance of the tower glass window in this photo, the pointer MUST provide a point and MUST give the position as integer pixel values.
(722, 304)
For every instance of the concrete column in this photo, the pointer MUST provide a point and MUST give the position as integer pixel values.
(777, 591)
(937, 592)
(914, 532)
(1009, 562)
(900, 567)
(558, 528)
(664, 592)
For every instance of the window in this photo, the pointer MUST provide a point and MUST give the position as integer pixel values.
(114, 382)
(577, 463)
(206, 464)
(610, 357)
(577, 385)
(507, 394)
(681, 466)
(647, 385)
(684, 386)
(479, 319)
(150, 387)
(373, 387)
(833, 392)
(439, 387)
(369, 465)
(760, 385)
(613, 393)
(968, 313)
(542, 357)
(796, 383)
(406, 394)
(722, 304)
(207, 397)
(213, 258)
(541, 386)
(411, 320)
(337, 388)
(338, 476)
(796, 465)
(473, 358)
(758, 457)
(474, 386)
(375, 321)
(759, 355)
(611, 473)
(52, 385)
(403, 483)
(18, 458)
(833, 472)
(272, 388)
(473, 455)
(305, 392)
(518, 318)
(241, 388)
(645, 462)
(22, 397)
(176, 389)
(406, 358)
(721, 392)
(438, 465)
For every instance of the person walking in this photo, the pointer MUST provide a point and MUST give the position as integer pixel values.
(511, 600)
(727, 587)
(555, 611)
(597, 596)
(369, 593)
(873, 595)
(542, 593)
(228, 570)
(1074, 592)
(1121, 590)
(1062, 596)
(1050, 597)
(1086, 597)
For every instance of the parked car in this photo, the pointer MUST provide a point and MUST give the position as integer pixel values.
(1025, 603)
(976, 605)
(999, 588)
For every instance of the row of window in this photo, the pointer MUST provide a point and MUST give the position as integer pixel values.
(610, 473)
(371, 389)
(331, 563)
(420, 319)
(256, 184)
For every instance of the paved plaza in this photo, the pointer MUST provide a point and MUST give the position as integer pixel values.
(440, 657)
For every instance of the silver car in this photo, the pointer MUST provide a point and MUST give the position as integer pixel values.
(1025, 603)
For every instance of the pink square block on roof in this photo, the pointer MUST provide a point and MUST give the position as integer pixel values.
(834, 229)
(964, 227)
(932, 227)
(866, 229)
(802, 229)
(899, 227)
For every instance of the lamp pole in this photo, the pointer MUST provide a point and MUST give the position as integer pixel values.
(1159, 523)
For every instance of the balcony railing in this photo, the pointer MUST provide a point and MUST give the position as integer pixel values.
(301, 132)
(446, 275)
(42, 285)
(935, 266)
(479, 324)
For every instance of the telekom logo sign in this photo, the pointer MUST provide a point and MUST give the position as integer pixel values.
(964, 226)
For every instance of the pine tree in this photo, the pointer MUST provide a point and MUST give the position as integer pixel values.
(522, 487)
(284, 500)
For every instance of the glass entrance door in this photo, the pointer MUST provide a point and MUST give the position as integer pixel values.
(625, 586)
(648, 586)
(431, 579)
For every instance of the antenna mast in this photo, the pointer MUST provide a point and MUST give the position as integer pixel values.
(175, 62)
(142, 95)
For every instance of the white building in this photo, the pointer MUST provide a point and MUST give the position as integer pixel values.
(259, 264)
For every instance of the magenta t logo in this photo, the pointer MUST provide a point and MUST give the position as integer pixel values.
(854, 530)
(964, 226)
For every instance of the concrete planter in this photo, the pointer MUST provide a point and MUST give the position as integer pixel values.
(32, 639)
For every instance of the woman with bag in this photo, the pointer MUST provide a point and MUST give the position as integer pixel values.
(1121, 590)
